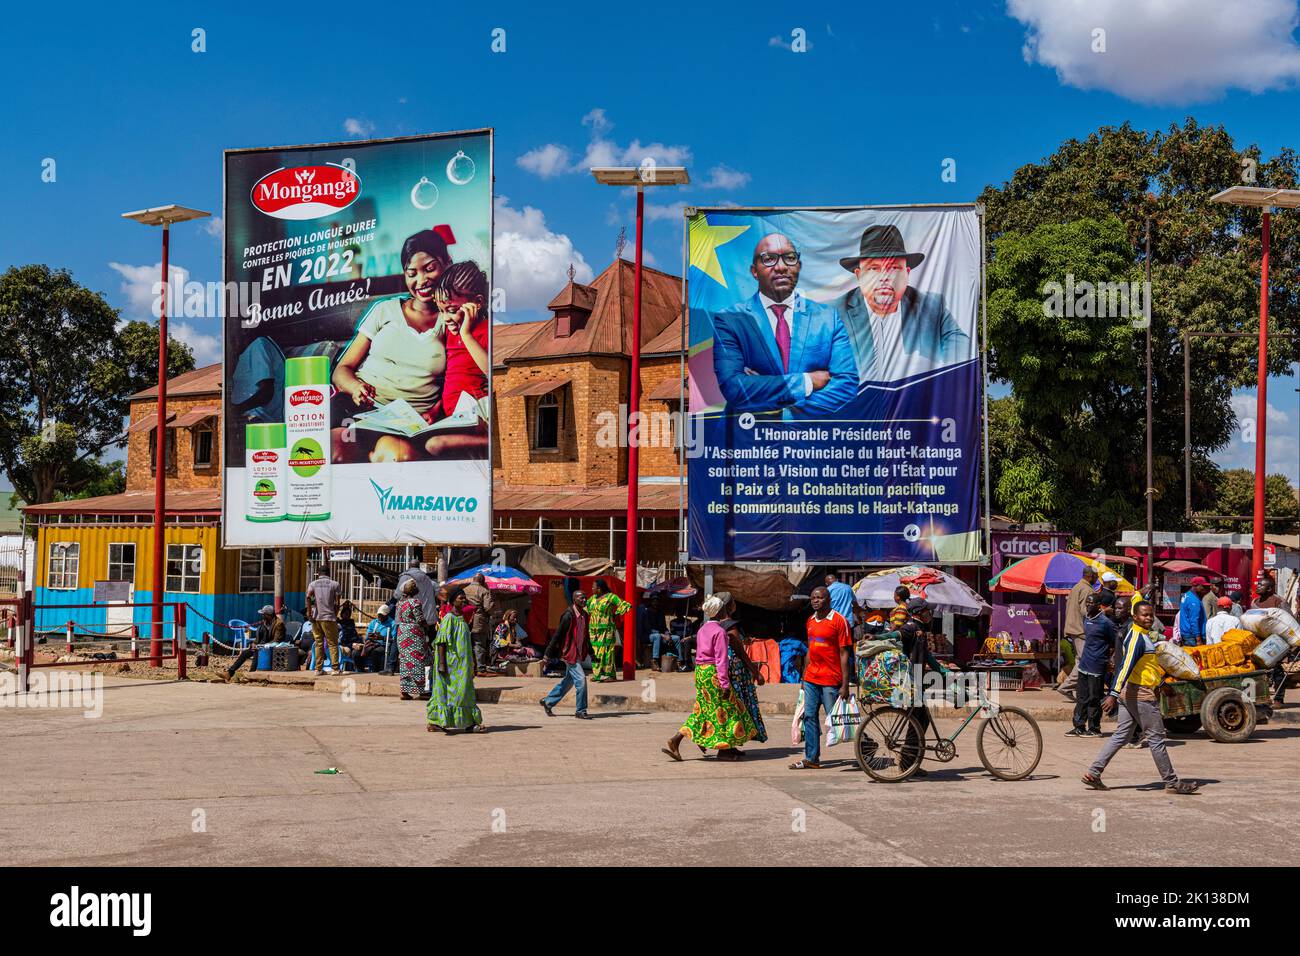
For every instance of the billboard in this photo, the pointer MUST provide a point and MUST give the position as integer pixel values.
(358, 366)
(835, 385)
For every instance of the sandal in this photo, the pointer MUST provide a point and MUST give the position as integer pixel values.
(805, 765)
(478, 729)
(1183, 786)
(1093, 783)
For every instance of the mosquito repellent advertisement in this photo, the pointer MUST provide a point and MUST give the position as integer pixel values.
(358, 365)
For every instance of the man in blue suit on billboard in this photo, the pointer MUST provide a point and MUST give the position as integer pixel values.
(778, 350)
(897, 331)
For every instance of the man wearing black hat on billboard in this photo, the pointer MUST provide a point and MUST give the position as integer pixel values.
(897, 331)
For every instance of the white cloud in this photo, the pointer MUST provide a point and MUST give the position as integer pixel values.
(552, 159)
(1281, 448)
(214, 226)
(545, 161)
(531, 259)
(1156, 51)
(654, 212)
(358, 127)
(206, 346)
(723, 176)
(142, 286)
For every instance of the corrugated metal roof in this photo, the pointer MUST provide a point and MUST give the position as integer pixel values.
(201, 381)
(609, 329)
(191, 501)
(148, 422)
(539, 387)
(195, 415)
(669, 390)
(563, 498)
(508, 336)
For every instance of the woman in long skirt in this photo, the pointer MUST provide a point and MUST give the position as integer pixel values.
(719, 721)
(451, 703)
(604, 608)
(744, 673)
(412, 638)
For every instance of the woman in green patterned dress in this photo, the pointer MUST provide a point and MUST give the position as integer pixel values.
(451, 704)
(603, 610)
(720, 720)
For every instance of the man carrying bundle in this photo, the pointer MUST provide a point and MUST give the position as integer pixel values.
(1137, 676)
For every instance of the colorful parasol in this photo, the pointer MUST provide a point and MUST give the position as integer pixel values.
(498, 578)
(1053, 573)
(942, 590)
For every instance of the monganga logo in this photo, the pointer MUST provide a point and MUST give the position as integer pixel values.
(391, 504)
(307, 192)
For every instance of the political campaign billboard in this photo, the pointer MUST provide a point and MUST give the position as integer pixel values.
(835, 385)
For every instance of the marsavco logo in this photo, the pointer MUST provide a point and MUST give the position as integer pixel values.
(306, 192)
(308, 396)
(265, 456)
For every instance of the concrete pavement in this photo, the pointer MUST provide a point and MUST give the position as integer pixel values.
(200, 773)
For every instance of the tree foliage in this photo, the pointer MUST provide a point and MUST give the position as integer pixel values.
(69, 367)
(1235, 495)
(1078, 384)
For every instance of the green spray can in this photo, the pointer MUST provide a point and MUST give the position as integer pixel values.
(307, 429)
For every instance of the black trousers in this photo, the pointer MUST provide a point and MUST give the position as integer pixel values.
(245, 654)
(1087, 707)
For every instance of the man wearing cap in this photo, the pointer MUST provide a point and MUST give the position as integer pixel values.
(1098, 645)
(1191, 614)
(381, 635)
(1076, 611)
(779, 350)
(270, 630)
(896, 330)
(1222, 622)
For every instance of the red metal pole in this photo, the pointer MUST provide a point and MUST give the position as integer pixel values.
(160, 472)
(633, 463)
(1261, 417)
(179, 642)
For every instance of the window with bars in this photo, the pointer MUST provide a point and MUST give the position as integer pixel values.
(257, 571)
(184, 568)
(121, 562)
(65, 560)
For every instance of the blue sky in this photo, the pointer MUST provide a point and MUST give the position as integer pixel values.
(132, 116)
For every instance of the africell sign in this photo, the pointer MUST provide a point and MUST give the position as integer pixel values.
(1009, 547)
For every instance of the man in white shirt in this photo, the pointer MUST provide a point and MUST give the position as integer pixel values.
(1222, 622)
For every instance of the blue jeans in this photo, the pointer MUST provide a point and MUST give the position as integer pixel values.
(815, 698)
(1191, 640)
(657, 641)
(574, 676)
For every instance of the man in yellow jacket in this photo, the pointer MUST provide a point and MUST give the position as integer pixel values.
(1137, 675)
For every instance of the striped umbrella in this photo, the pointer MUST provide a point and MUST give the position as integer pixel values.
(1053, 573)
(498, 578)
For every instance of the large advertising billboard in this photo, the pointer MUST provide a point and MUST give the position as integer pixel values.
(835, 385)
(358, 366)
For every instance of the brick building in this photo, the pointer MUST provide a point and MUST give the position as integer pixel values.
(561, 388)
(559, 466)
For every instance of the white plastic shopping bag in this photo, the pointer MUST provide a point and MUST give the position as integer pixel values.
(796, 725)
(842, 722)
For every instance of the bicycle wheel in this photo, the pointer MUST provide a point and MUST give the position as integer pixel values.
(1010, 744)
(889, 744)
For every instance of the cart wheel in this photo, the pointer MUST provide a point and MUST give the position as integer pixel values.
(882, 744)
(1183, 726)
(1228, 717)
(1010, 744)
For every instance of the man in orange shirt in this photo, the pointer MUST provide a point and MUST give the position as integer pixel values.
(826, 675)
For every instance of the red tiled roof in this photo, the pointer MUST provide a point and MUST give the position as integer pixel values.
(609, 329)
(201, 381)
(189, 502)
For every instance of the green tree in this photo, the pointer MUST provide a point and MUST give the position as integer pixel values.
(1078, 384)
(1235, 495)
(68, 371)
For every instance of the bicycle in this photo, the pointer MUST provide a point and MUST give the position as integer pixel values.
(1009, 742)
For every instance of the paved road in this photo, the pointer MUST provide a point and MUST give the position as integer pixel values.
(175, 774)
